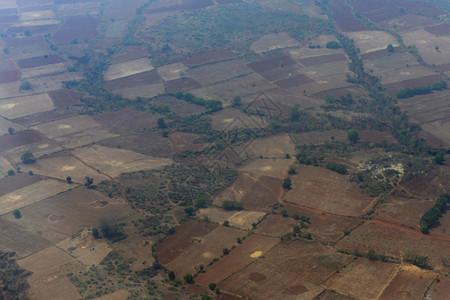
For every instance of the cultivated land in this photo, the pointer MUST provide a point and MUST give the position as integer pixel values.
(224, 149)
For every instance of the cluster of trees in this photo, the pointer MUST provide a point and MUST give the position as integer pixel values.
(415, 258)
(421, 90)
(210, 105)
(338, 168)
(228, 204)
(110, 230)
(432, 215)
(333, 45)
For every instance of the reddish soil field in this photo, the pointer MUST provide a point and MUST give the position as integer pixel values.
(331, 295)
(140, 79)
(430, 184)
(409, 283)
(275, 225)
(39, 61)
(293, 81)
(270, 64)
(9, 76)
(309, 260)
(363, 279)
(179, 107)
(183, 84)
(344, 18)
(280, 73)
(390, 239)
(63, 98)
(147, 143)
(80, 28)
(412, 83)
(440, 289)
(46, 116)
(260, 280)
(398, 210)
(323, 59)
(323, 226)
(439, 30)
(11, 183)
(20, 138)
(186, 5)
(208, 57)
(126, 120)
(328, 191)
(187, 234)
(241, 256)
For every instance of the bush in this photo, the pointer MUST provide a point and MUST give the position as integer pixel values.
(188, 278)
(338, 168)
(415, 258)
(333, 45)
(432, 215)
(17, 214)
(287, 184)
(11, 172)
(27, 157)
(228, 204)
(212, 286)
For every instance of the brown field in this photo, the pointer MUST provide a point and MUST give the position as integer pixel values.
(172, 71)
(273, 147)
(182, 84)
(20, 138)
(245, 219)
(318, 137)
(376, 11)
(275, 225)
(271, 64)
(372, 136)
(44, 70)
(185, 142)
(327, 191)
(417, 7)
(69, 9)
(80, 28)
(439, 30)
(147, 143)
(398, 210)
(114, 162)
(382, 53)
(28, 48)
(260, 280)
(344, 17)
(272, 167)
(129, 68)
(284, 99)
(187, 235)
(408, 22)
(230, 119)
(216, 72)
(145, 91)
(178, 106)
(371, 41)
(63, 98)
(58, 217)
(53, 82)
(131, 81)
(23, 106)
(184, 5)
(412, 83)
(273, 41)
(323, 59)
(391, 239)
(395, 66)
(9, 76)
(46, 116)
(128, 53)
(409, 283)
(214, 214)
(252, 248)
(5, 124)
(39, 61)
(9, 184)
(425, 43)
(440, 288)
(31, 194)
(293, 81)
(205, 249)
(208, 57)
(67, 126)
(309, 260)
(126, 121)
(362, 273)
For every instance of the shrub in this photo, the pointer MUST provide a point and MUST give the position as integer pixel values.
(228, 204)
(415, 258)
(27, 157)
(338, 168)
(17, 214)
(11, 172)
(333, 45)
(188, 278)
(287, 184)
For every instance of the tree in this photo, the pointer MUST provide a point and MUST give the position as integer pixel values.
(292, 170)
(436, 48)
(27, 32)
(89, 182)
(17, 214)
(95, 232)
(352, 136)
(228, 204)
(27, 157)
(287, 184)
(390, 48)
(284, 213)
(188, 278)
(11, 131)
(226, 251)
(161, 123)
(11, 172)
(212, 286)
(25, 86)
(415, 258)
(333, 45)
(189, 210)
(69, 179)
(439, 158)
(171, 275)
(200, 202)
(237, 100)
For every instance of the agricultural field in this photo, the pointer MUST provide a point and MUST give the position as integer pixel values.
(224, 149)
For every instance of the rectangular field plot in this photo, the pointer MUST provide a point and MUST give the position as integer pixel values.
(252, 248)
(44, 70)
(172, 71)
(67, 126)
(5, 125)
(273, 41)
(362, 273)
(213, 73)
(128, 68)
(145, 91)
(260, 280)
(134, 80)
(327, 191)
(114, 162)
(370, 41)
(205, 250)
(39, 61)
(31, 194)
(5, 165)
(208, 57)
(308, 260)
(24, 106)
(410, 283)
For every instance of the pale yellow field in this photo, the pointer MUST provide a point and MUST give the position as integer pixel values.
(38, 149)
(67, 126)
(267, 167)
(426, 43)
(31, 194)
(370, 41)
(273, 41)
(4, 166)
(128, 68)
(85, 137)
(304, 52)
(274, 147)
(44, 70)
(390, 76)
(25, 106)
(11, 89)
(114, 162)
(172, 71)
(5, 124)
(244, 219)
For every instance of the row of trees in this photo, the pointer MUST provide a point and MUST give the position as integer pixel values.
(210, 105)
(432, 215)
(421, 90)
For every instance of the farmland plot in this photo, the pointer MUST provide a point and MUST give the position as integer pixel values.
(24, 106)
